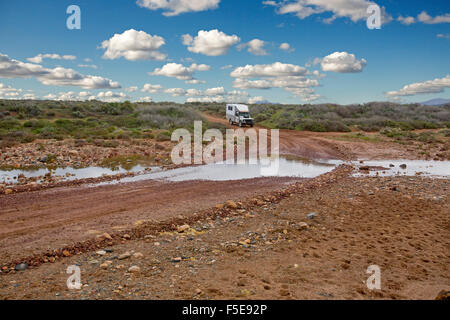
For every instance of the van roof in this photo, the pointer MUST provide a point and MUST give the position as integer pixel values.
(240, 107)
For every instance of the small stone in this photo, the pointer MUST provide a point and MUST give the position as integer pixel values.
(138, 255)
(177, 259)
(104, 266)
(312, 215)
(183, 228)
(66, 253)
(134, 269)
(231, 204)
(21, 267)
(157, 244)
(107, 236)
(302, 226)
(403, 166)
(101, 252)
(94, 262)
(126, 236)
(124, 256)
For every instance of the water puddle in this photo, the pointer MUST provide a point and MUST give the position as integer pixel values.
(287, 167)
(67, 174)
(388, 168)
(228, 172)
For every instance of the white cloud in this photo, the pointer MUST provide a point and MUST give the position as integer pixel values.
(92, 66)
(342, 62)
(110, 96)
(431, 86)
(356, 10)
(210, 43)
(10, 68)
(176, 70)
(145, 99)
(406, 20)
(426, 18)
(176, 92)
(290, 77)
(286, 47)
(255, 47)
(40, 57)
(151, 88)
(8, 91)
(131, 89)
(228, 66)
(268, 70)
(134, 45)
(443, 35)
(176, 7)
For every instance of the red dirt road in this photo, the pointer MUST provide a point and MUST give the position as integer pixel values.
(31, 223)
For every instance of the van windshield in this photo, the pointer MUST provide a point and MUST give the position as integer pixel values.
(245, 114)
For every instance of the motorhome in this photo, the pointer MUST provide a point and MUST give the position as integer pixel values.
(239, 114)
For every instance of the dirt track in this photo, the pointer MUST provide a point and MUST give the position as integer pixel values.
(36, 222)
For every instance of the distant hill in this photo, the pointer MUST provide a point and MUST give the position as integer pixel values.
(435, 102)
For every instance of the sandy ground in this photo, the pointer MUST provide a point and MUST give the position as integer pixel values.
(272, 250)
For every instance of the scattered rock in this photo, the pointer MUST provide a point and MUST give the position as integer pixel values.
(183, 228)
(403, 166)
(66, 253)
(21, 267)
(302, 226)
(126, 236)
(107, 236)
(312, 215)
(443, 295)
(101, 252)
(124, 256)
(231, 204)
(138, 255)
(134, 269)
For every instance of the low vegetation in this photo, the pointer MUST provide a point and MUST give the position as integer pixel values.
(23, 121)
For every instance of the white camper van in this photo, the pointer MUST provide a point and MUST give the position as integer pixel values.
(239, 114)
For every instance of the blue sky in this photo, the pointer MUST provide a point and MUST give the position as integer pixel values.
(335, 60)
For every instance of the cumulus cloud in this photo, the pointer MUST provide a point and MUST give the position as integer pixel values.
(426, 18)
(343, 62)
(431, 86)
(40, 57)
(255, 47)
(268, 70)
(107, 96)
(290, 77)
(355, 10)
(151, 88)
(286, 47)
(131, 89)
(176, 7)
(10, 68)
(9, 92)
(406, 20)
(180, 72)
(145, 99)
(134, 45)
(92, 66)
(210, 43)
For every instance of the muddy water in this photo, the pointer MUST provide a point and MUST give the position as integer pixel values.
(299, 168)
(229, 172)
(426, 168)
(69, 174)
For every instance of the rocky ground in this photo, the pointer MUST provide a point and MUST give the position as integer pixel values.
(314, 240)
